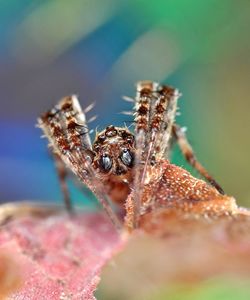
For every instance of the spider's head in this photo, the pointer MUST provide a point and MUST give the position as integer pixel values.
(114, 148)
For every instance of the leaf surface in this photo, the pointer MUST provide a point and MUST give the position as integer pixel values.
(55, 257)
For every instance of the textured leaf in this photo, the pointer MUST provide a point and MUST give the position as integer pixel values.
(180, 250)
(55, 257)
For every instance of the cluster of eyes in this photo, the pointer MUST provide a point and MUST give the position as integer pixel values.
(126, 156)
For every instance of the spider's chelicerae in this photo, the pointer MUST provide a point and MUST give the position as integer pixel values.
(132, 169)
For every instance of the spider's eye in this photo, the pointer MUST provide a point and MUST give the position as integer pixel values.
(105, 162)
(127, 157)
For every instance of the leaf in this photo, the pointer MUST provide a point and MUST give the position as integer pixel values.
(177, 253)
(56, 256)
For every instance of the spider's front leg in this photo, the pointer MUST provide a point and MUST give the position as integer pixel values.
(155, 112)
(188, 153)
(143, 111)
(155, 109)
(66, 128)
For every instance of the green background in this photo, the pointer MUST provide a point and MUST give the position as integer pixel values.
(99, 49)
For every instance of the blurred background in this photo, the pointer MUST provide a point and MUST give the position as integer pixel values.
(98, 50)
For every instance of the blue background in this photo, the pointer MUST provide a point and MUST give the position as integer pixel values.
(98, 50)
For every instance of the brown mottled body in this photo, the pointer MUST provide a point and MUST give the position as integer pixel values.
(133, 170)
(112, 144)
(171, 187)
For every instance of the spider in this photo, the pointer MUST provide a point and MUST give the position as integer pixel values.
(131, 170)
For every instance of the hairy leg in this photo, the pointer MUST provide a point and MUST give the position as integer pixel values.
(144, 102)
(154, 110)
(66, 128)
(188, 153)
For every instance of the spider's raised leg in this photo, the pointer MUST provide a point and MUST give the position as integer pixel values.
(143, 108)
(187, 151)
(155, 108)
(162, 121)
(68, 110)
(66, 129)
(162, 105)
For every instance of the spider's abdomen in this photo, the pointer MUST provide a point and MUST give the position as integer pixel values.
(177, 188)
(171, 188)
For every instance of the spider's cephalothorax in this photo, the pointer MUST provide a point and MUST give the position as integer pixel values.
(130, 169)
(114, 148)
(114, 151)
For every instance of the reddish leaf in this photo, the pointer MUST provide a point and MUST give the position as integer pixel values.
(55, 257)
(58, 257)
(179, 250)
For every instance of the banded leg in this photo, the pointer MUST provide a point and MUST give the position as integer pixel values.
(144, 104)
(157, 124)
(162, 121)
(66, 129)
(188, 153)
(155, 108)
(144, 108)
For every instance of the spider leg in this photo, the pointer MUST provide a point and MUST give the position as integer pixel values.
(62, 175)
(143, 111)
(145, 104)
(155, 108)
(189, 155)
(55, 117)
(162, 121)
(66, 128)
